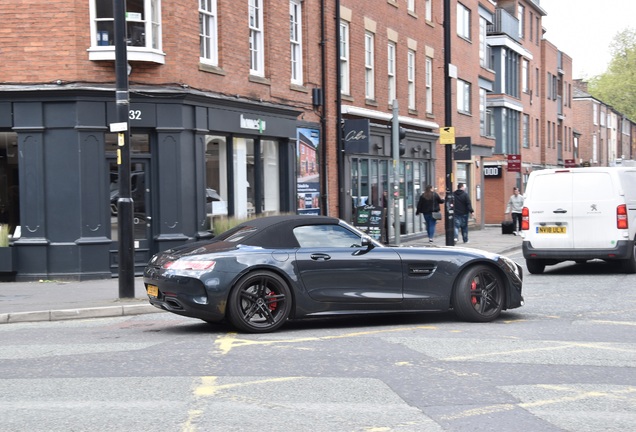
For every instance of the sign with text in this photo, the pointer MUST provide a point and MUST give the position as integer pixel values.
(569, 163)
(514, 163)
(356, 136)
(492, 171)
(370, 220)
(461, 151)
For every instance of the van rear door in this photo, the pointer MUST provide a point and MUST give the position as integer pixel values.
(594, 201)
(550, 207)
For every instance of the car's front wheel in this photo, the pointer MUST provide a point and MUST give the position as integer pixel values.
(479, 294)
(260, 302)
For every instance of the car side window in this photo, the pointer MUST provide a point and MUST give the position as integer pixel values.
(326, 236)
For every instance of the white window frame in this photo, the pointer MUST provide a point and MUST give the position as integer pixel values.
(483, 103)
(391, 56)
(483, 45)
(463, 21)
(463, 96)
(410, 78)
(103, 39)
(521, 16)
(369, 74)
(525, 75)
(410, 5)
(345, 73)
(208, 33)
(428, 10)
(296, 41)
(256, 38)
(429, 85)
(594, 113)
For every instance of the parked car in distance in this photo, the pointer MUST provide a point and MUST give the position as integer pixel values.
(267, 270)
(580, 214)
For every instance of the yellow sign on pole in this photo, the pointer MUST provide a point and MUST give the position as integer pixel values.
(447, 135)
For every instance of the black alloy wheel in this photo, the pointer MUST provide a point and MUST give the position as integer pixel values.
(479, 294)
(260, 302)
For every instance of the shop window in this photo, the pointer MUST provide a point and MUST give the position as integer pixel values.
(256, 177)
(143, 30)
(215, 177)
(9, 187)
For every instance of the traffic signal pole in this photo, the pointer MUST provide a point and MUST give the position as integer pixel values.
(395, 152)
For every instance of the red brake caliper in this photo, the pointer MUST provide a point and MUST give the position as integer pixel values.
(473, 287)
(274, 304)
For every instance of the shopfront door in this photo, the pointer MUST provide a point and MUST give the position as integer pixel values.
(142, 215)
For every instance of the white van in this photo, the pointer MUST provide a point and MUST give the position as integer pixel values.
(579, 214)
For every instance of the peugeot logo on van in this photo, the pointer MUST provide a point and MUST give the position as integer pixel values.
(593, 208)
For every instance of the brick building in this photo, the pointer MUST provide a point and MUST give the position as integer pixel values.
(246, 108)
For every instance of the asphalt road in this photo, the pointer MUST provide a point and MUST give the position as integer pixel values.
(566, 361)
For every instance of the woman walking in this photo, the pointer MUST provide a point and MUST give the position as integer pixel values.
(428, 205)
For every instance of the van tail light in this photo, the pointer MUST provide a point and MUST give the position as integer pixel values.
(525, 219)
(621, 217)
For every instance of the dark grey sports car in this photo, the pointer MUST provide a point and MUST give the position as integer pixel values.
(267, 270)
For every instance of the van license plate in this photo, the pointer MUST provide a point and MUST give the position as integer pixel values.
(551, 230)
(152, 290)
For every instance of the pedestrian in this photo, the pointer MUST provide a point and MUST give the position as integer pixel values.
(463, 208)
(515, 206)
(428, 206)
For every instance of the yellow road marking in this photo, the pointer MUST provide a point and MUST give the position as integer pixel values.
(226, 343)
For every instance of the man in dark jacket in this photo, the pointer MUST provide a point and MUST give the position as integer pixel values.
(463, 207)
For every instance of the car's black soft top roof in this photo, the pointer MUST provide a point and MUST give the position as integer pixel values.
(277, 231)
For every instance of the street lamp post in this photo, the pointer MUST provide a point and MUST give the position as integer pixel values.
(449, 219)
(122, 127)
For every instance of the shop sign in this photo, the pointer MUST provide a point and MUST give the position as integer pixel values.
(492, 171)
(356, 136)
(462, 149)
(253, 124)
(514, 163)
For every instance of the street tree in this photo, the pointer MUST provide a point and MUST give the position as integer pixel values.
(617, 86)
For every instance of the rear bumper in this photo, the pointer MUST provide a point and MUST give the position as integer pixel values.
(623, 250)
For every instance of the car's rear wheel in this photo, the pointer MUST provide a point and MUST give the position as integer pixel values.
(479, 294)
(535, 266)
(629, 265)
(260, 302)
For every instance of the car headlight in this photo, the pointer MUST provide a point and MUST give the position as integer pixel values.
(510, 263)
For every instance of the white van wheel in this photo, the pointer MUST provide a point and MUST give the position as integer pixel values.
(535, 266)
(629, 265)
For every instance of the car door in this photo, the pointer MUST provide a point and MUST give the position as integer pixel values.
(594, 201)
(334, 266)
(550, 211)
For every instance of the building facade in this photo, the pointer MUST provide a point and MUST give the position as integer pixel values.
(241, 109)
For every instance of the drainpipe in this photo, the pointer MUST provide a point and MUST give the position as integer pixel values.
(324, 184)
(339, 140)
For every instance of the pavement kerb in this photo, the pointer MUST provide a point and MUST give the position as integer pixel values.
(79, 313)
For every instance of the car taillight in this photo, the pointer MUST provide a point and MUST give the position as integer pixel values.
(621, 217)
(525, 219)
(190, 265)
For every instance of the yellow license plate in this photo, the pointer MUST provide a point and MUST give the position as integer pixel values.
(152, 290)
(551, 230)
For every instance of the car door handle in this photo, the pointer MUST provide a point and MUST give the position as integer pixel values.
(320, 257)
(560, 211)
